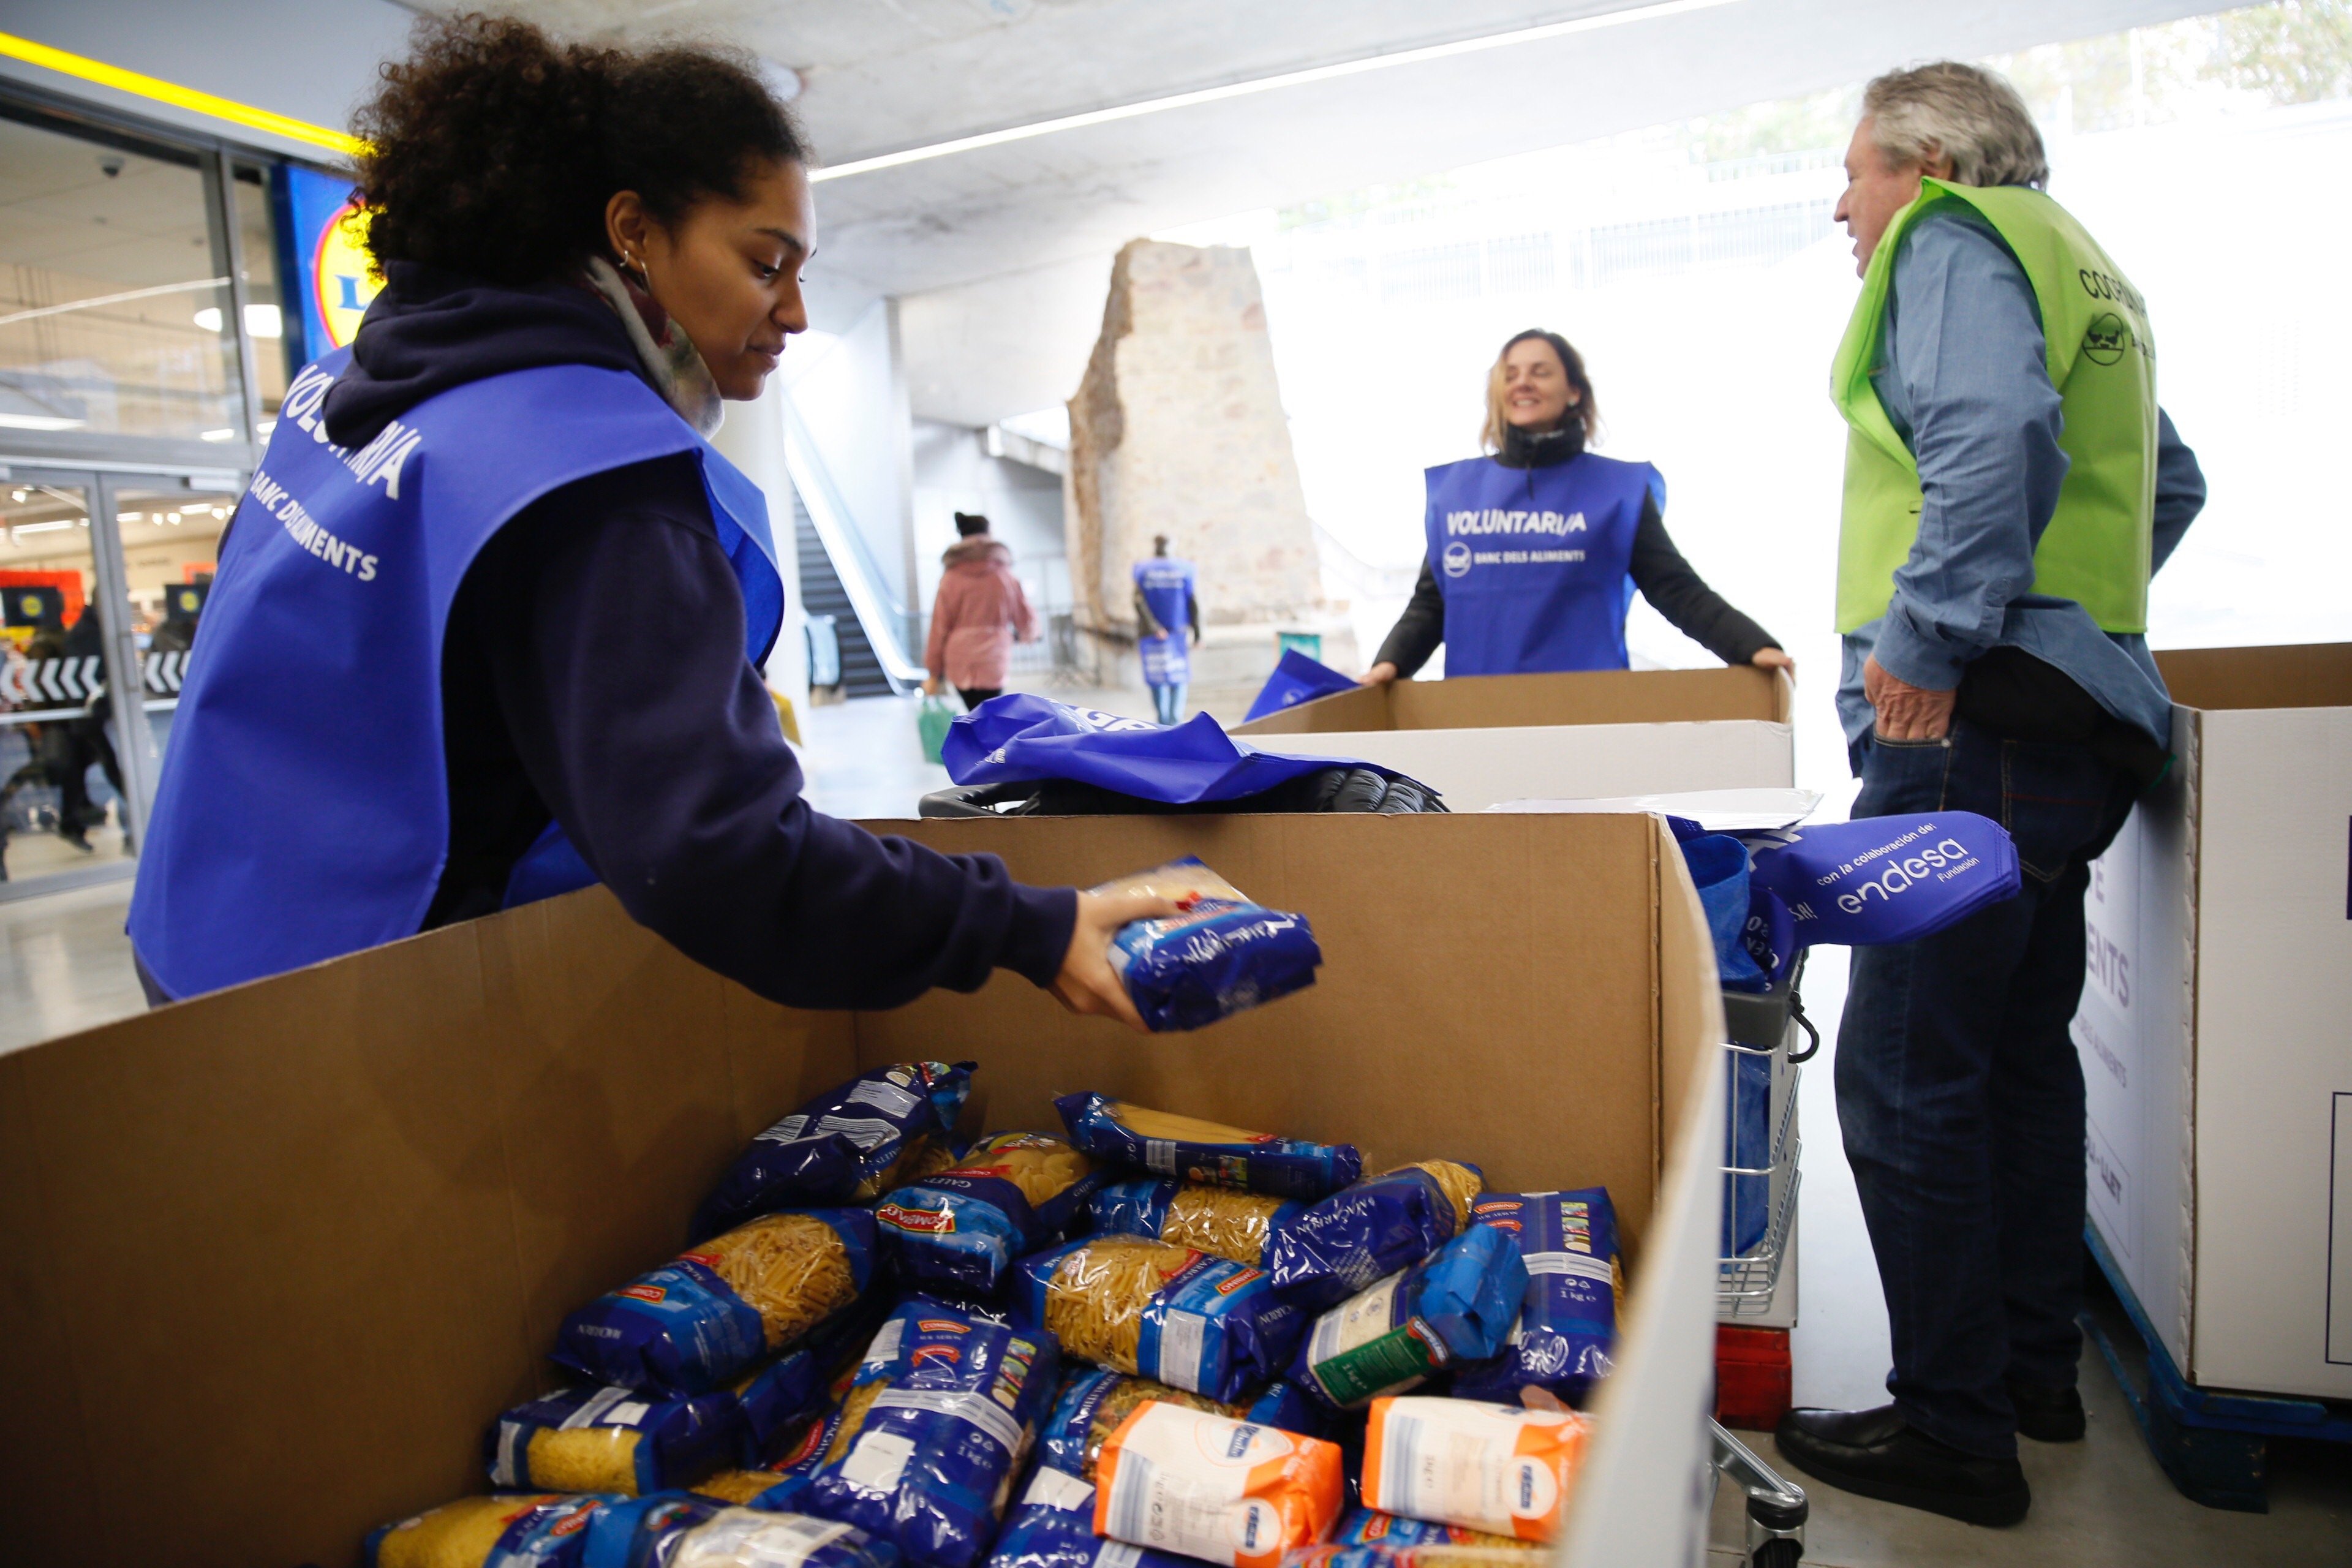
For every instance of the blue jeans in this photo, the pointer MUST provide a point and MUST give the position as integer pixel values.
(1168, 701)
(1959, 1093)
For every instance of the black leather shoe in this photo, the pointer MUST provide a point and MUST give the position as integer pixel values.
(2048, 1414)
(1878, 1454)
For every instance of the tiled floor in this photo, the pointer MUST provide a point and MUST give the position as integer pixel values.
(64, 965)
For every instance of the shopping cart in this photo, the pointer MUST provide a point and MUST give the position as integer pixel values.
(1760, 1175)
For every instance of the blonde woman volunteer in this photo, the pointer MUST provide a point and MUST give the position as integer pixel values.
(1537, 549)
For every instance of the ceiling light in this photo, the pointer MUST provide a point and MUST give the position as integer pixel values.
(128, 516)
(39, 527)
(262, 320)
(39, 422)
(1269, 84)
(219, 435)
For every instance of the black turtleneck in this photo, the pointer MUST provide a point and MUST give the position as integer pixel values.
(1657, 568)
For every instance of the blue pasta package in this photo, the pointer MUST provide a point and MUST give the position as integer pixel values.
(944, 1407)
(775, 1400)
(609, 1439)
(1355, 1239)
(1046, 1537)
(1567, 1330)
(1207, 1325)
(1135, 1136)
(1456, 1305)
(1215, 1220)
(676, 1530)
(1012, 1193)
(511, 1530)
(707, 1316)
(850, 1144)
(1222, 954)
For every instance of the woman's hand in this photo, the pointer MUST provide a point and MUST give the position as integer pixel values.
(1087, 983)
(930, 686)
(1775, 658)
(1380, 674)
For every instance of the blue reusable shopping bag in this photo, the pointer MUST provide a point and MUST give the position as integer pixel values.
(1880, 880)
(1297, 679)
(1021, 737)
(1718, 866)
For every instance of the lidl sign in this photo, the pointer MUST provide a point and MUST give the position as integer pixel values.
(330, 271)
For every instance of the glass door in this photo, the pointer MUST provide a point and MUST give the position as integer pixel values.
(68, 811)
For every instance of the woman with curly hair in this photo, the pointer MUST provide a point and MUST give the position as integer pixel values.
(489, 621)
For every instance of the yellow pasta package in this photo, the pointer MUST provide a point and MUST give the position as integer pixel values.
(1205, 1324)
(701, 1320)
(959, 1231)
(1207, 1486)
(1219, 1221)
(525, 1530)
(1185, 1148)
(1355, 1239)
(1495, 1468)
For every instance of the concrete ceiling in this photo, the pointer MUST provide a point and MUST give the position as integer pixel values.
(1001, 254)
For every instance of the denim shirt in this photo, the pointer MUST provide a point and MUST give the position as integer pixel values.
(1966, 384)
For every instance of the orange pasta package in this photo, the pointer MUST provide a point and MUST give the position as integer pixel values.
(1495, 1468)
(1207, 1486)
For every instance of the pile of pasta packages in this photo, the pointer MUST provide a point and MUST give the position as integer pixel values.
(1146, 1341)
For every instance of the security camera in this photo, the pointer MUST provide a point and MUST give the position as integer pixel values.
(110, 167)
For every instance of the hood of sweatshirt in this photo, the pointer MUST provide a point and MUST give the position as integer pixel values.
(429, 331)
(977, 550)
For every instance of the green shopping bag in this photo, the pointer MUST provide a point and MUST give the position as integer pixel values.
(931, 723)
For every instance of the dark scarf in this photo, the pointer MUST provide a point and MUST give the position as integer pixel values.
(1541, 448)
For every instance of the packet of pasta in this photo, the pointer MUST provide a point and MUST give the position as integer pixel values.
(1457, 1304)
(609, 1439)
(849, 1145)
(1567, 1328)
(515, 1530)
(1221, 955)
(1206, 1485)
(1012, 1194)
(1206, 1152)
(1207, 1325)
(1061, 1538)
(704, 1318)
(1421, 1555)
(776, 1400)
(1495, 1468)
(1218, 1221)
(1370, 1231)
(681, 1531)
(1369, 1527)
(778, 1483)
(943, 1412)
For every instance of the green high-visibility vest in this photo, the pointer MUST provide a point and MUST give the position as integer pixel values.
(2101, 358)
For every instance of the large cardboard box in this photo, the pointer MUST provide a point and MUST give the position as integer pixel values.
(2213, 1029)
(270, 1260)
(1480, 741)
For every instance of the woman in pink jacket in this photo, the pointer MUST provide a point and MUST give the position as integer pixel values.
(979, 611)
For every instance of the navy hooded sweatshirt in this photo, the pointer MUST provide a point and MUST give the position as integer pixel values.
(594, 671)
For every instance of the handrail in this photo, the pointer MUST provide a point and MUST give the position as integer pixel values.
(878, 611)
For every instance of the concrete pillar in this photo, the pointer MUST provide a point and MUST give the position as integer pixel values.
(1177, 428)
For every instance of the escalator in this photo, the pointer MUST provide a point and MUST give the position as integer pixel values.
(823, 595)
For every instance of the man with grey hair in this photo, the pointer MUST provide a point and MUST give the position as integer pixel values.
(2011, 485)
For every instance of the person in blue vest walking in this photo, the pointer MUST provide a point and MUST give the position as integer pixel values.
(1165, 611)
(489, 621)
(1537, 549)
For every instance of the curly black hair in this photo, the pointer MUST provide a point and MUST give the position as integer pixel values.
(493, 149)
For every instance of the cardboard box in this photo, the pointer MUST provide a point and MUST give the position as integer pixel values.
(2212, 1029)
(1480, 741)
(271, 1260)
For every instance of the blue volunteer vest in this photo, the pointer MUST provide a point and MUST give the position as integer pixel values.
(1533, 562)
(303, 811)
(1166, 583)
